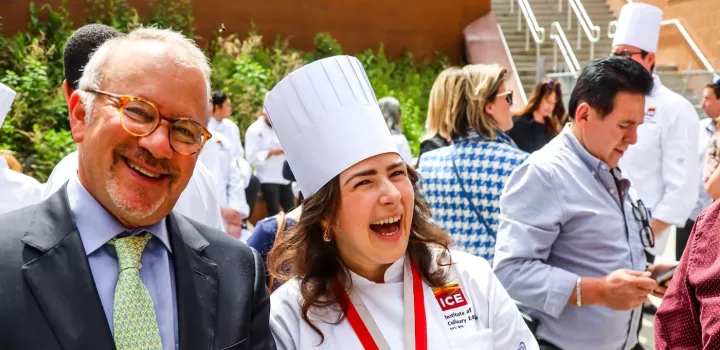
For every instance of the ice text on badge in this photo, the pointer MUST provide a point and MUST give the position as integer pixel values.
(450, 296)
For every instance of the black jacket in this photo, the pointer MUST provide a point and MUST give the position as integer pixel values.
(48, 298)
(528, 134)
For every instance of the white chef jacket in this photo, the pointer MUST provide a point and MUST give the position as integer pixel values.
(196, 202)
(707, 129)
(663, 165)
(17, 190)
(483, 317)
(403, 147)
(232, 133)
(260, 138)
(229, 185)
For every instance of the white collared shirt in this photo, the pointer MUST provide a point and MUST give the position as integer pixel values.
(663, 164)
(480, 315)
(196, 202)
(260, 138)
(18, 190)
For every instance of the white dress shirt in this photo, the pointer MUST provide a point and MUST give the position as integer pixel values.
(663, 165)
(18, 190)
(260, 138)
(229, 184)
(196, 202)
(484, 316)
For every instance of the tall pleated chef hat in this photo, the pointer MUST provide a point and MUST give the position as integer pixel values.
(327, 119)
(7, 96)
(639, 26)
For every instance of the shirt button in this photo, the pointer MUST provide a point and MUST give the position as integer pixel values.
(612, 190)
(594, 173)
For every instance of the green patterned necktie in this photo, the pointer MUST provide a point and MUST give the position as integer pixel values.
(135, 325)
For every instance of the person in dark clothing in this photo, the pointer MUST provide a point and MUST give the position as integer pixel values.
(442, 107)
(541, 119)
(266, 230)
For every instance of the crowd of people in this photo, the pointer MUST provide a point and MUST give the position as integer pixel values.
(529, 230)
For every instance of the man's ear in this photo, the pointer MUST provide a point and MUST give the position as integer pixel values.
(651, 59)
(77, 116)
(582, 114)
(67, 91)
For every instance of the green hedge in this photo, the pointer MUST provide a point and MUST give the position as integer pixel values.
(37, 128)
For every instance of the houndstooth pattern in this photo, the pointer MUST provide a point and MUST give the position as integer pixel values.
(134, 321)
(484, 166)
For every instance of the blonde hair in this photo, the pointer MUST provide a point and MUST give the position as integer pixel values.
(443, 103)
(481, 83)
(11, 161)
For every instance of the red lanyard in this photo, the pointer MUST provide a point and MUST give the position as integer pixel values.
(414, 311)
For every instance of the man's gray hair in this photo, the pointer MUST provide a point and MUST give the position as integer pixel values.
(187, 55)
(391, 111)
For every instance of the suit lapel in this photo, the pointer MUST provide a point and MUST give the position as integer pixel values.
(59, 276)
(196, 283)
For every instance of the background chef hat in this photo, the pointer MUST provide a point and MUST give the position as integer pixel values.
(327, 119)
(639, 26)
(7, 96)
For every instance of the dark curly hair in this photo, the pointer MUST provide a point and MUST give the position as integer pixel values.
(302, 253)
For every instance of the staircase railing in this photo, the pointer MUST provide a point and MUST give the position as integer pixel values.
(558, 35)
(516, 76)
(612, 26)
(592, 32)
(531, 24)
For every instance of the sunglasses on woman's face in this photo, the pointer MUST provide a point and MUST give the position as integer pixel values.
(508, 96)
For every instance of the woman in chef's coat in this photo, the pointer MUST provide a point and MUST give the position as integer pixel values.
(366, 267)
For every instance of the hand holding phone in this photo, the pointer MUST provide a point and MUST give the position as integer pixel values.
(665, 275)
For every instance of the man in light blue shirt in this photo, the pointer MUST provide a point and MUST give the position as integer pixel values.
(570, 245)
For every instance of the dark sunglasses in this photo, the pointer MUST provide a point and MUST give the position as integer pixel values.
(508, 96)
(553, 83)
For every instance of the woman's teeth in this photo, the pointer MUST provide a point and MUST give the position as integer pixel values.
(391, 220)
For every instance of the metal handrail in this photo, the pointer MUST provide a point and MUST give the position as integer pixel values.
(592, 32)
(695, 49)
(512, 65)
(558, 35)
(538, 33)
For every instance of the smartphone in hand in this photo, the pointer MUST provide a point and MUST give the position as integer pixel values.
(665, 275)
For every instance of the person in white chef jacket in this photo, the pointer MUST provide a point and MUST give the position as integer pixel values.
(364, 255)
(220, 122)
(266, 154)
(662, 165)
(18, 190)
(229, 183)
(196, 202)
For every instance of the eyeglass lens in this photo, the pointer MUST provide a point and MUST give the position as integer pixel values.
(141, 118)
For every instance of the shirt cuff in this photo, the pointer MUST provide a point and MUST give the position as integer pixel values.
(675, 216)
(562, 284)
(261, 157)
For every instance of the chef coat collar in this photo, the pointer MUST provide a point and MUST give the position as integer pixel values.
(3, 163)
(393, 274)
(656, 85)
